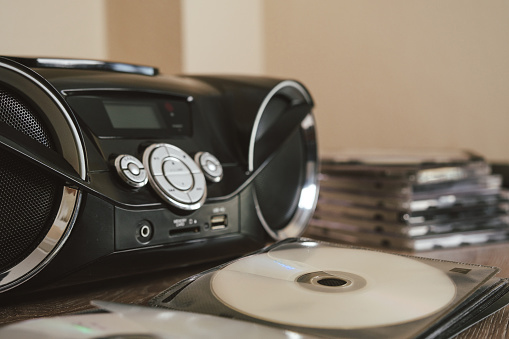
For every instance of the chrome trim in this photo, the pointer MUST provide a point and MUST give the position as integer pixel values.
(87, 64)
(282, 85)
(49, 246)
(309, 193)
(66, 63)
(72, 150)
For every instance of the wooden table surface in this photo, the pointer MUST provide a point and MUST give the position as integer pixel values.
(139, 290)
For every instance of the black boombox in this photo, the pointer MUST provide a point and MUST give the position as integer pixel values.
(111, 169)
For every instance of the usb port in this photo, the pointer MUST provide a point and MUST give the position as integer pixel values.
(218, 222)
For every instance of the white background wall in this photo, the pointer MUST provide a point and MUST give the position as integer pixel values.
(393, 73)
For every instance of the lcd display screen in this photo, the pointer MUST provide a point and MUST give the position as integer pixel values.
(133, 115)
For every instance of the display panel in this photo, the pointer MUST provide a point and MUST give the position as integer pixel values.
(112, 114)
(126, 115)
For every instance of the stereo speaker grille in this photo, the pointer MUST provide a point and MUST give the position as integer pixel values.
(29, 198)
(16, 113)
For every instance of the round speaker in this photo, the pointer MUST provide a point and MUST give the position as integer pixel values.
(37, 209)
(283, 145)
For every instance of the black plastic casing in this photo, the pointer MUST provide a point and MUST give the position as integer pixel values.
(105, 241)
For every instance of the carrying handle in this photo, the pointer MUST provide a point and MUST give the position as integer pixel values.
(45, 158)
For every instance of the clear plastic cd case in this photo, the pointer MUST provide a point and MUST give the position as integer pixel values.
(336, 291)
(415, 201)
(128, 321)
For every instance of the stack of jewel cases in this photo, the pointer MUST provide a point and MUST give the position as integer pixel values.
(418, 200)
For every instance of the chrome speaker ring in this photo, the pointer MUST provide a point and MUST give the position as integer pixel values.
(309, 191)
(47, 99)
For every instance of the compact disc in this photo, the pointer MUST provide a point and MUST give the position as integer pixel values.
(137, 322)
(315, 285)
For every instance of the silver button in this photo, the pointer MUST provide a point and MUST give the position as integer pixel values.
(156, 160)
(173, 166)
(198, 191)
(210, 165)
(171, 191)
(131, 170)
(175, 176)
(139, 178)
(183, 182)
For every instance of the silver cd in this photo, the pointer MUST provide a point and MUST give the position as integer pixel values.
(320, 286)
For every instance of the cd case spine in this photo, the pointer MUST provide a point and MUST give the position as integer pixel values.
(418, 203)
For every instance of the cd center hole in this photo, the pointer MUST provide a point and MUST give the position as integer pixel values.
(332, 282)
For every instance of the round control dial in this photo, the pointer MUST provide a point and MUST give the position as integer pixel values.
(210, 166)
(175, 176)
(131, 170)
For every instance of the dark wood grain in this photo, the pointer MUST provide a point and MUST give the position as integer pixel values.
(139, 290)
(133, 290)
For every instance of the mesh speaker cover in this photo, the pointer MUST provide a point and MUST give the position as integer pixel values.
(15, 113)
(29, 198)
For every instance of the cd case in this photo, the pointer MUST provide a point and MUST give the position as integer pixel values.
(418, 166)
(126, 321)
(334, 291)
(420, 200)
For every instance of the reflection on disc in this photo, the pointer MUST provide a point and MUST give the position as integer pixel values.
(320, 286)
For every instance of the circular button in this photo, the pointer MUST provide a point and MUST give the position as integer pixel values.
(210, 166)
(131, 170)
(178, 174)
(175, 176)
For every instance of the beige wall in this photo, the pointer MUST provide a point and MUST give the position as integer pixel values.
(396, 72)
(383, 73)
(138, 31)
(198, 36)
(146, 32)
(223, 36)
(59, 28)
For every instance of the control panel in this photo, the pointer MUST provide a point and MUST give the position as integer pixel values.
(175, 176)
